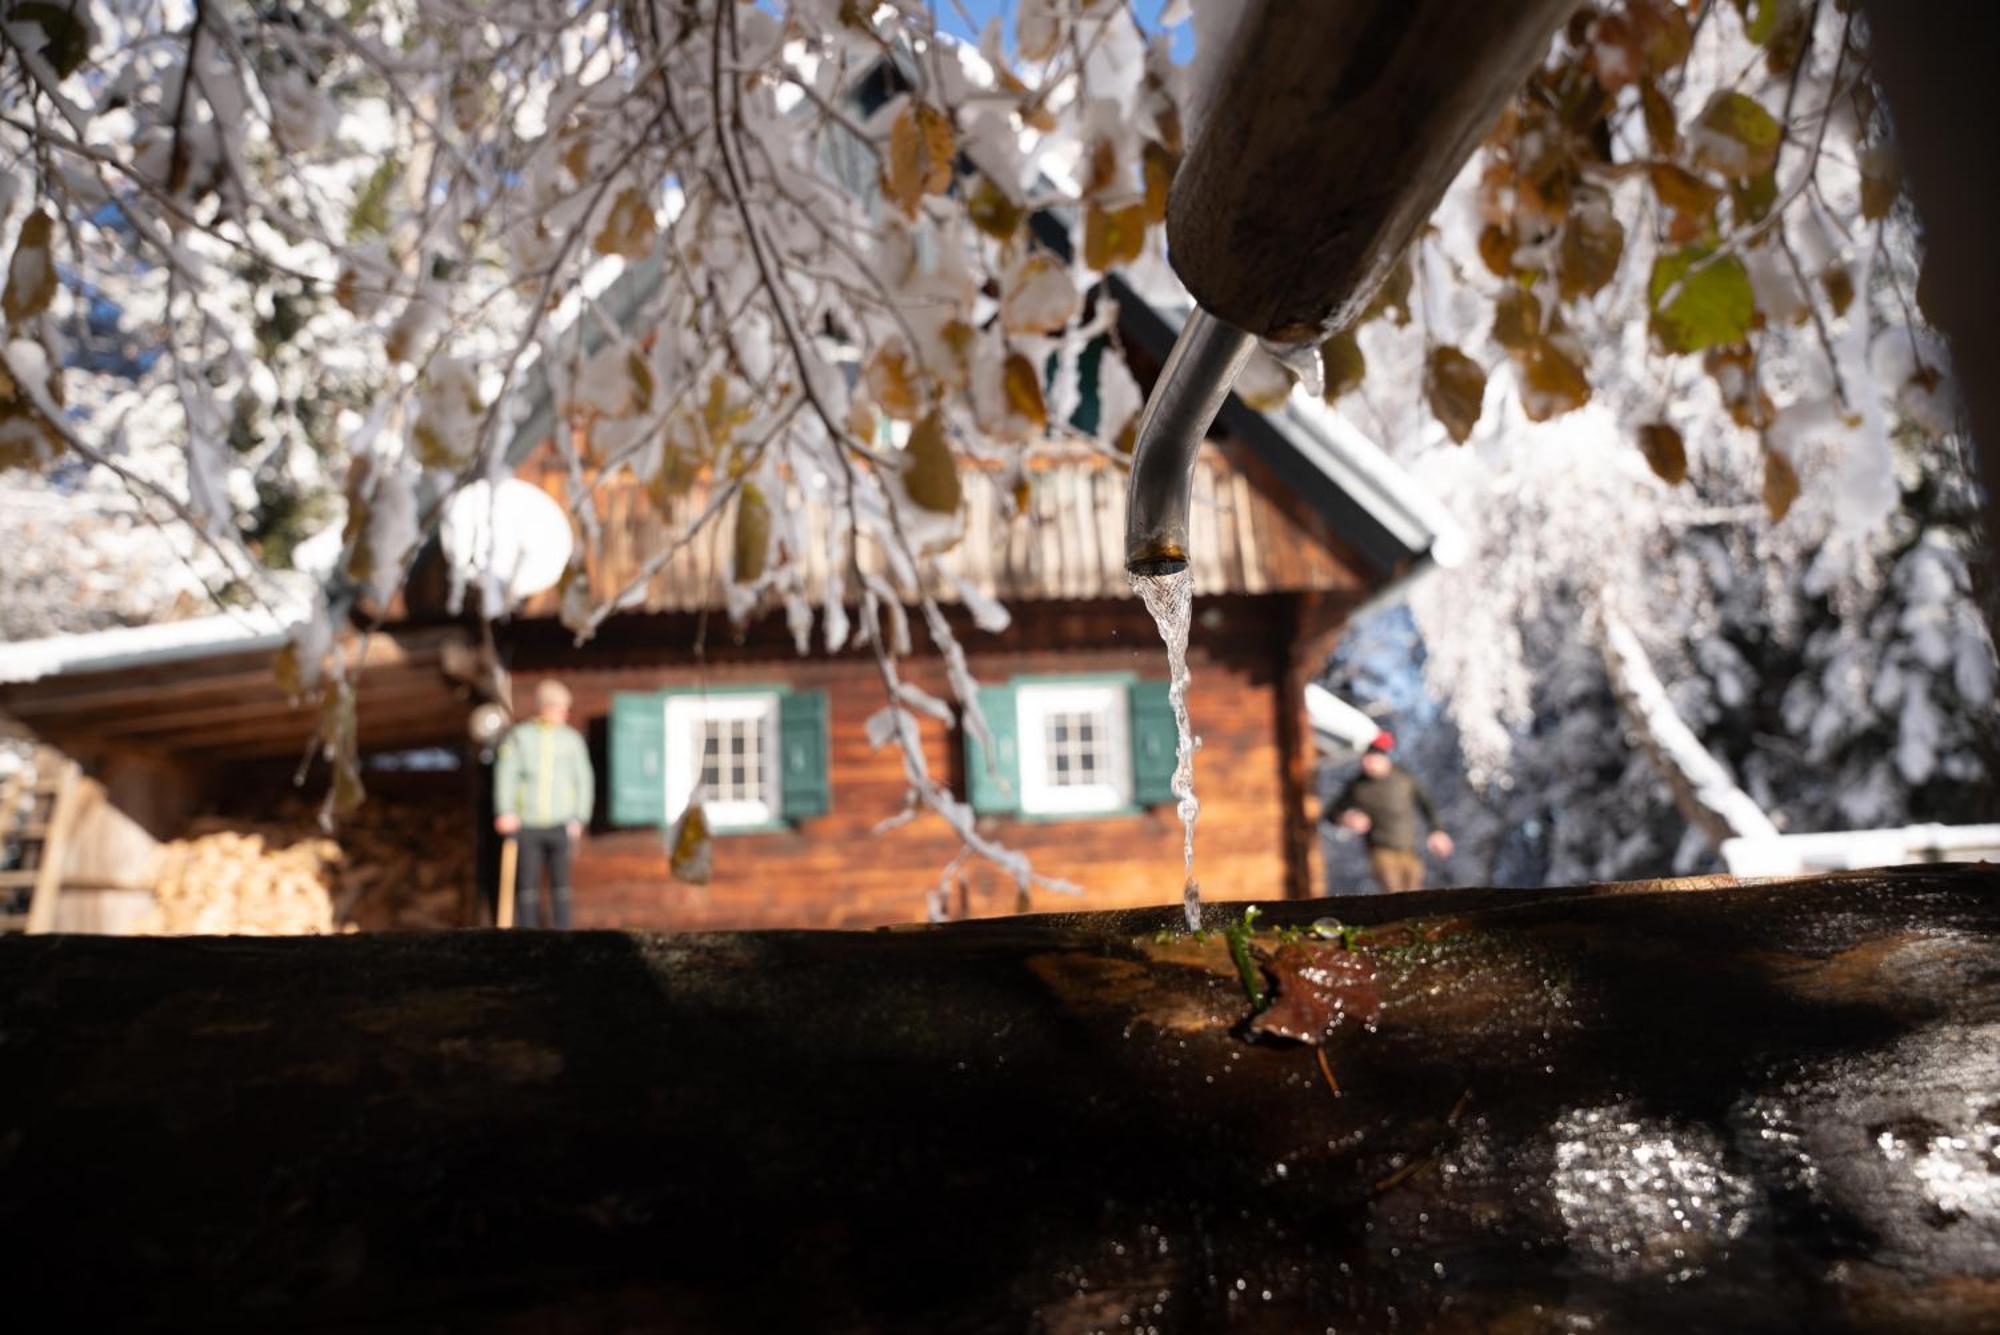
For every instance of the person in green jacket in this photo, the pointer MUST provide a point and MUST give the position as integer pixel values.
(543, 788)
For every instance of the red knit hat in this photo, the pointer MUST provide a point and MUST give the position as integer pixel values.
(1384, 741)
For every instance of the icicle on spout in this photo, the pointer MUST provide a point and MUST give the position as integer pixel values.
(1170, 598)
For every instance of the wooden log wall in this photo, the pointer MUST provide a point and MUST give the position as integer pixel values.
(836, 871)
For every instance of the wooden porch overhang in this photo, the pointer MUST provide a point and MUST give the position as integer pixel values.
(228, 705)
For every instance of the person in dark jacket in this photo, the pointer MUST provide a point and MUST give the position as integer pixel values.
(1381, 805)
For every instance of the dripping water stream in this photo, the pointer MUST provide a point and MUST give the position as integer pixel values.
(1170, 598)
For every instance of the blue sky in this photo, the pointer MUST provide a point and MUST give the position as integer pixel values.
(982, 10)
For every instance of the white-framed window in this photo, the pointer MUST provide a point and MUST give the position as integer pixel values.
(1076, 755)
(729, 745)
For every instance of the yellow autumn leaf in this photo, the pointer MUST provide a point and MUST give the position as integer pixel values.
(31, 275)
(576, 155)
(1037, 296)
(1024, 391)
(1127, 439)
(1342, 364)
(753, 535)
(339, 739)
(958, 338)
(893, 384)
(693, 857)
(642, 382)
(1736, 137)
(1100, 174)
(628, 228)
(719, 416)
(1781, 484)
(678, 470)
(1658, 113)
(1552, 383)
(1456, 388)
(863, 420)
(1112, 237)
(992, 212)
(930, 473)
(1517, 319)
(1665, 451)
(940, 148)
(1592, 242)
(1158, 165)
(1496, 249)
(286, 671)
(1881, 181)
(919, 161)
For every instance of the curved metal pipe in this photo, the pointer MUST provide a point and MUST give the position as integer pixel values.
(1190, 391)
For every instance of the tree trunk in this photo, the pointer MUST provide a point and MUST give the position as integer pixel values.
(1702, 786)
(1756, 1107)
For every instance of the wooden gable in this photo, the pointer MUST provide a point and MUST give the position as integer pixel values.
(1068, 543)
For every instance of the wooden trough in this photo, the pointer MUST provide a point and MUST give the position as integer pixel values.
(1668, 1107)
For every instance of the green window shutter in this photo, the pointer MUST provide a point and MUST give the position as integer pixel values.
(638, 746)
(994, 789)
(806, 787)
(1090, 401)
(1154, 738)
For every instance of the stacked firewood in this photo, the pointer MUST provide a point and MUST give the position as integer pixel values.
(248, 883)
(408, 867)
(387, 867)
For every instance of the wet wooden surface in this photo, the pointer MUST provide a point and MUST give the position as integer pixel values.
(1767, 1107)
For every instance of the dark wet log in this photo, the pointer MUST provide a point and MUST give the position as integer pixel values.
(1767, 1107)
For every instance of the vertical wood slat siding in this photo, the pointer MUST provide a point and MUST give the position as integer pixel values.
(1070, 543)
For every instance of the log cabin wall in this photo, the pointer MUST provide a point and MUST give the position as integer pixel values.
(837, 871)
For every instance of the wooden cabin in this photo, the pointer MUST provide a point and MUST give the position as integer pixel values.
(1298, 520)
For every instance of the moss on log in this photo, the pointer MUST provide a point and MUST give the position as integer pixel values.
(1745, 1107)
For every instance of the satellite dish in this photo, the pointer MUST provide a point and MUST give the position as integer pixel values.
(515, 531)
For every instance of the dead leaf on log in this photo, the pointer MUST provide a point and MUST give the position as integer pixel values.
(1317, 988)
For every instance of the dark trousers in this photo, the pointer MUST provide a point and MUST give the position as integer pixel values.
(542, 847)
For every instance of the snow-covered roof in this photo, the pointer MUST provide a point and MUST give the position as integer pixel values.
(143, 646)
(1792, 854)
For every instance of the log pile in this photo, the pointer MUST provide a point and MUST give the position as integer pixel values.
(388, 867)
(406, 867)
(229, 882)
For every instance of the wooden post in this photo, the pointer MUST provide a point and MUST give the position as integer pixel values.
(55, 847)
(509, 862)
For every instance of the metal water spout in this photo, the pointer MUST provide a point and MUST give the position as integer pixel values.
(1325, 136)
(1190, 391)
